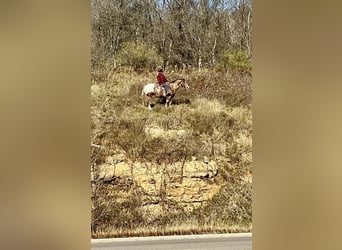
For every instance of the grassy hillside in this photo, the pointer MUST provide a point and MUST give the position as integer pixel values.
(212, 120)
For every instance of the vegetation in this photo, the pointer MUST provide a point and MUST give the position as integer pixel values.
(184, 33)
(236, 61)
(209, 44)
(138, 56)
(218, 121)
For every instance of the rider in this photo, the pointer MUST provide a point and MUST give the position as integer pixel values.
(162, 81)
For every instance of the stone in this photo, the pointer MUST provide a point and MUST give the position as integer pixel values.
(189, 191)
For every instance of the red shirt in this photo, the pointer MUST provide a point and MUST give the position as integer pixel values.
(161, 78)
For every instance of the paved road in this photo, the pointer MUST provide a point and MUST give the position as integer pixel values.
(237, 241)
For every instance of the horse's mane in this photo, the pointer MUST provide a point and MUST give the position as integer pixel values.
(177, 80)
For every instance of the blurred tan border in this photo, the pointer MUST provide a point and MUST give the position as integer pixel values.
(297, 128)
(45, 96)
(45, 124)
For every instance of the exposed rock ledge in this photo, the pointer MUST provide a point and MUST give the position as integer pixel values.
(188, 185)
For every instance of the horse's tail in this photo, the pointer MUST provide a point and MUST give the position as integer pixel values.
(142, 92)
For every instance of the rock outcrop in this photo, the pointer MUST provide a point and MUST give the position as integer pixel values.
(185, 185)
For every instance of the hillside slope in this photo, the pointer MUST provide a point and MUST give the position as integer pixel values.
(183, 169)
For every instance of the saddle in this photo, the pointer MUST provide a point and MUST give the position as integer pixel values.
(159, 90)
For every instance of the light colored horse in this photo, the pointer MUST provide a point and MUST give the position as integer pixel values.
(151, 89)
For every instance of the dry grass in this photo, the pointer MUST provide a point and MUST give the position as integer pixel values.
(212, 119)
(182, 229)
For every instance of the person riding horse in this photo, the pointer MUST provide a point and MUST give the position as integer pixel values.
(150, 90)
(162, 81)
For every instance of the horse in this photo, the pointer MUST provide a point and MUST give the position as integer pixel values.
(152, 89)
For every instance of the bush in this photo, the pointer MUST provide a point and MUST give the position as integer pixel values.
(233, 204)
(138, 56)
(236, 61)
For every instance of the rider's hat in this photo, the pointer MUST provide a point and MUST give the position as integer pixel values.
(160, 69)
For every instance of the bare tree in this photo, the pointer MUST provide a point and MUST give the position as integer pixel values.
(195, 32)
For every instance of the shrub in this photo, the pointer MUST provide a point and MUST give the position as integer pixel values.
(236, 61)
(233, 204)
(138, 56)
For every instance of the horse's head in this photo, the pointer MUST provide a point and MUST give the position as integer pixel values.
(184, 84)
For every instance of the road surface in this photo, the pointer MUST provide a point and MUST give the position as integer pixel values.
(236, 241)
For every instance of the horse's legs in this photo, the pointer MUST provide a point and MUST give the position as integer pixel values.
(145, 100)
(149, 102)
(167, 100)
